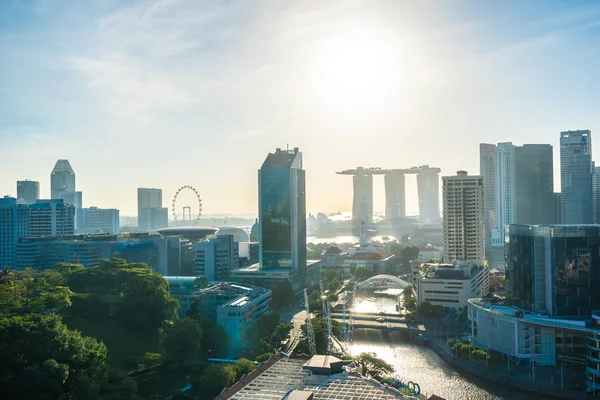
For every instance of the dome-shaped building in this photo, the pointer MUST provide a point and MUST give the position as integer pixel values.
(255, 231)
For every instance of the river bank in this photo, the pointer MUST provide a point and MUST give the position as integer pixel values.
(443, 351)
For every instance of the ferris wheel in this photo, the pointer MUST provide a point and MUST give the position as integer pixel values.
(191, 210)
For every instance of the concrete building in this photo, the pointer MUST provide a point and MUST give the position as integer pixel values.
(429, 253)
(14, 224)
(553, 269)
(62, 179)
(596, 193)
(449, 285)
(234, 307)
(151, 214)
(51, 218)
(534, 184)
(576, 177)
(505, 187)
(463, 218)
(216, 257)
(100, 220)
(428, 188)
(28, 191)
(302, 377)
(538, 339)
(395, 198)
(74, 199)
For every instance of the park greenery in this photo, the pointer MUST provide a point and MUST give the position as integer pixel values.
(91, 333)
(320, 336)
(373, 366)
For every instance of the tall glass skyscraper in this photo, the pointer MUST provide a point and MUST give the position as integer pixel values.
(553, 268)
(282, 212)
(576, 177)
(62, 179)
(534, 184)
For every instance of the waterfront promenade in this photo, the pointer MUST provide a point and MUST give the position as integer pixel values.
(544, 381)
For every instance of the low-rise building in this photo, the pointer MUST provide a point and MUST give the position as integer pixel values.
(429, 253)
(538, 339)
(449, 285)
(269, 278)
(302, 377)
(234, 307)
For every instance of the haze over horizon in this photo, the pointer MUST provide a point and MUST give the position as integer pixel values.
(173, 92)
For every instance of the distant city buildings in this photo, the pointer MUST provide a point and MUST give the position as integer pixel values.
(576, 177)
(216, 257)
(518, 188)
(62, 179)
(74, 199)
(151, 214)
(14, 224)
(28, 191)
(100, 220)
(463, 218)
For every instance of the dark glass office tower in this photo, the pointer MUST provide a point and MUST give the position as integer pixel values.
(534, 184)
(282, 212)
(553, 268)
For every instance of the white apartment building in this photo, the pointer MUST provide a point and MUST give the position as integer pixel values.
(217, 257)
(463, 218)
(450, 285)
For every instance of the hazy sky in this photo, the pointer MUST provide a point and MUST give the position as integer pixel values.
(168, 93)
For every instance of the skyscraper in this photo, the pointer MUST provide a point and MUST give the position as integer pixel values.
(553, 269)
(487, 170)
(576, 177)
(216, 257)
(534, 184)
(62, 179)
(151, 214)
(428, 188)
(28, 191)
(463, 218)
(282, 212)
(362, 206)
(596, 193)
(505, 185)
(395, 202)
(74, 199)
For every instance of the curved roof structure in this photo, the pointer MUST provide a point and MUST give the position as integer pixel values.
(189, 232)
(383, 281)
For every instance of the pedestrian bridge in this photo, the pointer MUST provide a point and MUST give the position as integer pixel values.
(379, 282)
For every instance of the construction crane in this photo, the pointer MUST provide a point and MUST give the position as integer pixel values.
(326, 319)
(310, 333)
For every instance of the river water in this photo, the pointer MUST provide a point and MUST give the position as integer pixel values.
(422, 365)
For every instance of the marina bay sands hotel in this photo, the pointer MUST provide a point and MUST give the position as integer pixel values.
(428, 188)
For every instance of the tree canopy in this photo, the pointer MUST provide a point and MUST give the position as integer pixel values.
(372, 365)
(181, 340)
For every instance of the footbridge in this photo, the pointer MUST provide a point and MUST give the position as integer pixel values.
(379, 282)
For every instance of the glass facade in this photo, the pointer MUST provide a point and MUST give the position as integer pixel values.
(553, 269)
(534, 184)
(576, 177)
(282, 212)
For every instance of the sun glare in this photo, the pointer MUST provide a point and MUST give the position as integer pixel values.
(353, 72)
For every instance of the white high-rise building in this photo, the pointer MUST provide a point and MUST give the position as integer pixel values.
(596, 192)
(74, 199)
(216, 257)
(463, 218)
(505, 188)
(62, 179)
(151, 214)
(487, 170)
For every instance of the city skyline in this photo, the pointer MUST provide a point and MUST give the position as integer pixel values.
(131, 106)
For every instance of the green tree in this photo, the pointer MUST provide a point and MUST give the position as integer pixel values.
(38, 355)
(372, 365)
(215, 378)
(200, 282)
(243, 366)
(181, 341)
(66, 269)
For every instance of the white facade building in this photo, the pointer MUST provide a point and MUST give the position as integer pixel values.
(74, 199)
(463, 218)
(100, 220)
(151, 214)
(505, 190)
(450, 285)
(217, 257)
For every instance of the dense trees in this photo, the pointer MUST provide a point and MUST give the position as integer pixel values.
(404, 255)
(181, 340)
(216, 377)
(40, 358)
(320, 336)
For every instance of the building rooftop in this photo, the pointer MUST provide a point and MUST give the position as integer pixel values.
(287, 377)
(188, 232)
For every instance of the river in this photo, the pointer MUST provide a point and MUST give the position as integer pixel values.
(422, 365)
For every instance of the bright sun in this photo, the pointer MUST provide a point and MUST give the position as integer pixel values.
(353, 72)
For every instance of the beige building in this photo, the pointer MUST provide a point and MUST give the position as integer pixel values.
(463, 218)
